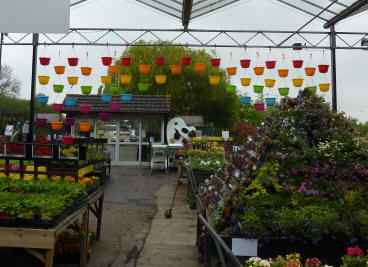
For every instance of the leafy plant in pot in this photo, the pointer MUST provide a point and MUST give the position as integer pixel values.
(259, 104)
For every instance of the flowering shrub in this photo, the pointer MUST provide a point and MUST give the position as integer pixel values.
(354, 258)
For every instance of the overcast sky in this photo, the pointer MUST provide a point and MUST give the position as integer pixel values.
(352, 66)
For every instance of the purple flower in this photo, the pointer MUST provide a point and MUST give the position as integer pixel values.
(294, 172)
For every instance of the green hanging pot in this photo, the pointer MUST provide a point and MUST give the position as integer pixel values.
(258, 89)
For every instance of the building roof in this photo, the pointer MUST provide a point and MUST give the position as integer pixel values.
(140, 104)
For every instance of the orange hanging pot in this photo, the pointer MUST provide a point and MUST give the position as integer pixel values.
(231, 71)
(144, 69)
(310, 71)
(106, 79)
(56, 125)
(114, 69)
(258, 70)
(283, 73)
(199, 67)
(175, 69)
(84, 126)
(59, 69)
(86, 71)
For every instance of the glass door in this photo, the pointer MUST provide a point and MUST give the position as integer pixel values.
(129, 141)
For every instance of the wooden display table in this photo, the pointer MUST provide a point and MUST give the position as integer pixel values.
(33, 240)
(95, 205)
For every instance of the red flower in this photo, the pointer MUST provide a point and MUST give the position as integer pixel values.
(355, 251)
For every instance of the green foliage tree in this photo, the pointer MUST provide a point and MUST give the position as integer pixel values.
(191, 93)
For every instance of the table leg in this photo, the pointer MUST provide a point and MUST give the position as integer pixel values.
(49, 257)
(99, 218)
(180, 171)
(84, 241)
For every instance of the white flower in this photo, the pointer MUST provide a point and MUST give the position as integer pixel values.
(207, 181)
(210, 188)
(255, 259)
(254, 167)
(264, 263)
(237, 173)
(217, 162)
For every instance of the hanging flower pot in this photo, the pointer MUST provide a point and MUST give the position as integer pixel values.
(215, 62)
(297, 64)
(86, 89)
(270, 83)
(45, 61)
(160, 79)
(231, 71)
(284, 91)
(58, 88)
(283, 73)
(106, 98)
(298, 82)
(69, 121)
(175, 69)
(186, 61)
(115, 89)
(258, 89)
(245, 63)
(144, 69)
(86, 71)
(105, 116)
(41, 121)
(126, 97)
(42, 99)
(106, 79)
(258, 70)
(58, 107)
(245, 100)
(310, 71)
(126, 61)
(115, 106)
(72, 80)
(230, 88)
(70, 101)
(259, 106)
(270, 101)
(44, 79)
(199, 67)
(59, 69)
(56, 125)
(114, 69)
(68, 140)
(214, 80)
(84, 127)
(106, 61)
(73, 61)
(125, 79)
(160, 61)
(323, 68)
(270, 64)
(85, 108)
(143, 87)
(245, 81)
(324, 87)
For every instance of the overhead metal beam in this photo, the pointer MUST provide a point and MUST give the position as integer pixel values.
(186, 13)
(346, 13)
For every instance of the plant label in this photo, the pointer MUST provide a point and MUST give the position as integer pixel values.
(244, 247)
(225, 135)
(9, 129)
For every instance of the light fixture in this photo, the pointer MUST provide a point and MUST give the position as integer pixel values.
(364, 42)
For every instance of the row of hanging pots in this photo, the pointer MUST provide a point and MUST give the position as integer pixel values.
(270, 101)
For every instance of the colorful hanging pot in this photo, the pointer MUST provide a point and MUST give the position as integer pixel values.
(115, 89)
(258, 70)
(58, 107)
(214, 80)
(245, 63)
(230, 88)
(283, 73)
(215, 62)
(106, 98)
(175, 69)
(41, 121)
(115, 106)
(68, 140)
(297, 64)
(58, 88)
(106, 79)
(324, 87)
(270, 101)
(199, 67)
(258, 89)
(113, 70)
(245, 100)
(143, 87)
(310, 71)
(42, 99)
(298, 82)
(126, 97)
(105, 116)
(45, 61)
(160, 61)
(73, 61)
(126, 61)
(270, 64)
(72, 80)
(43, 79)
(59, 69)
(56, 125)
(270, 83)
(86, 71)
(69, 121)
(245, 81)
(284, 91)
(70, 101)
(231, 71)
(186, 61)
(125, 79)
(106, 61)
(84, 127)
(85, 108)
(144, 69)
(259, 106)
(86, 89)
(323, 68)
(160, 79)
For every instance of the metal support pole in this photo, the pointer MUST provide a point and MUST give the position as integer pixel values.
(333, 66)
(33, 85)
(1, 48)
(140, 142)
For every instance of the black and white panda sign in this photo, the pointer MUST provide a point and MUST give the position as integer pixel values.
(178, 132)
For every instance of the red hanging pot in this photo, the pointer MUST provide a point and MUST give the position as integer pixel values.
(186, 61)
(115, 105)
(106, 116)
(73, 61)
(126, 61)
(215, 62)
(106, 61)
(271, 64)
(298, 63)
(41, 121)
(85, 108)
(323, 68)
(45, 61)
(68, 140)
(245, 63)
(160, 61)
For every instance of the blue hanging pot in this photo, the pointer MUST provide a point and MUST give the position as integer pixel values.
(245, 100)
(70, 102)
(106, 98)
(270, 101)
(126, 97)
(42, 99)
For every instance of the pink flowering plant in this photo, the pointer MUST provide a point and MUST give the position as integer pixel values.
(354, 258)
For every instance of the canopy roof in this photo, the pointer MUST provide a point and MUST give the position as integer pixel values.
(330, 11)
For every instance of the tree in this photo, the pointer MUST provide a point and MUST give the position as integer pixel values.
(191, 93)
(9, 85)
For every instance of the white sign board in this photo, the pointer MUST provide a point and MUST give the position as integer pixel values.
(225, 135)
(34, 16)
(244, 247)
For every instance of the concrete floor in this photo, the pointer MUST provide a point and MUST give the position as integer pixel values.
(134, 229)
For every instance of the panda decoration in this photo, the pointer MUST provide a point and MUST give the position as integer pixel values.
(178, 132)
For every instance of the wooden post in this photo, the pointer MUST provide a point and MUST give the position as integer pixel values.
(99, 219)
(49, 257)
(84, 241)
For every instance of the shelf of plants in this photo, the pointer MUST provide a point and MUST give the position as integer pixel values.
(298, 184)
